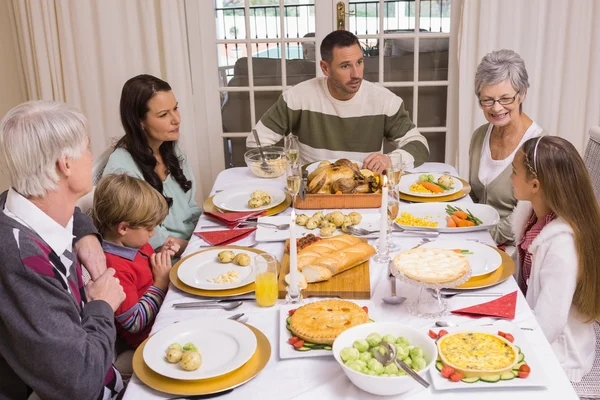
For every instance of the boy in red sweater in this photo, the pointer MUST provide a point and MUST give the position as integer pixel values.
(126, 210)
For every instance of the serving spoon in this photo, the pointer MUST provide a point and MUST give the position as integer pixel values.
(390, 356)
(394, 299)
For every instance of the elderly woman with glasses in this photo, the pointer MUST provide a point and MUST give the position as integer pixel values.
(501, 84)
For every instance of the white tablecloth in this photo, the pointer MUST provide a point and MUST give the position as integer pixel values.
(322, 377)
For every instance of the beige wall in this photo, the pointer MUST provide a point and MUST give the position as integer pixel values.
(12, 83)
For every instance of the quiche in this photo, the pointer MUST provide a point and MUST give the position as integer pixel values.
(477, 354)
(322, 321)
(431, 265)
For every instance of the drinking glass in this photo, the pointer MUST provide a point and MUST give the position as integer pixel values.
(267, 268)
(292, 148)
(395, 170)
(293, 178)
(393, 207)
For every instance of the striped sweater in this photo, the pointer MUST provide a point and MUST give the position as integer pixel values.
(328, 128)
(52, 341)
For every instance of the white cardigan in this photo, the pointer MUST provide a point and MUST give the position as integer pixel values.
(550, 290)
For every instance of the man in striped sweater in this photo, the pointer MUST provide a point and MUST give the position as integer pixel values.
(342, 116)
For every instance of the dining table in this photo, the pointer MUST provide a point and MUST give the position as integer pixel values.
(322, 377)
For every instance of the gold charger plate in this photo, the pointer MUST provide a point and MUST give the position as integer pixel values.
(212, 293)
(458, 195)
(209, 206)
(232, 379)
(505, 271)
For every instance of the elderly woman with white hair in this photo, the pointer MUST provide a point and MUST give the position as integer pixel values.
(57, 336)
(501, 83)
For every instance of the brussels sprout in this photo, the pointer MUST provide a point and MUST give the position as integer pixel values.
(418, 363)
(423, 178)
(402, 341)
(380, 349)
(374, 339)
(389, 338)
(174, 346)
(361, 363)
(366, 356)
(407, 361)
(391, 369)
(349, 354)
(401, 372)
(189, 346)
(430, 178)
(400, 351)
(361, 345)
(416, 352)
(375, 366)
(370, 372)
(355, 366)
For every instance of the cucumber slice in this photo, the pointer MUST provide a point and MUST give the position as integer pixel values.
(521, 357)
(439, 365)
(518, 349)
(288, 328)
(371, 320)
(311, 345)
(287, 320)
(470, 380)
(327, 347)
(491, 378)
(515, 373)
(507, 376)
(518, 365)
(303, 348)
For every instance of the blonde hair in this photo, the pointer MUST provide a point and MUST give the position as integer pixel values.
(568, 192)
(123, 198)
(33, 137)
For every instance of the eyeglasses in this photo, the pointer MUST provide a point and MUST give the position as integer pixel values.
(502, 101)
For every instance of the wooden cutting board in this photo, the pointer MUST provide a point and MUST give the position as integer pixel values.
(354, 283)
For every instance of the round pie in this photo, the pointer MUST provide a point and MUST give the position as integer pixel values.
(323, 321)
(432, 265)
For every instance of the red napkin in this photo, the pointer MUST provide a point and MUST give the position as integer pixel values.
(233, 219)
(223, 237)
(504, 307)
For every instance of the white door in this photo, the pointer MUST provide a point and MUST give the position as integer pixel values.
(252, 50)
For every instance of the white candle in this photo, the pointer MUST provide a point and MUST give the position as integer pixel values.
(294, 273)
(383, 223)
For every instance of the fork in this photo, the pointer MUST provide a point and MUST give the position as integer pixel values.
(363, 232)
(266, 225)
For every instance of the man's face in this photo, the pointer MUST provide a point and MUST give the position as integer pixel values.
(345, 72)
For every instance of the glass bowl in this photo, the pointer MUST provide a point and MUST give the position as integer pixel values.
(275, 158)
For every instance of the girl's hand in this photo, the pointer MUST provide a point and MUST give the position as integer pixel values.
(161, 265)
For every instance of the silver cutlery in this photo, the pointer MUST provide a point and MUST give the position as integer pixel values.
(212, 301)
(363, 232)
(447, 324)
(236, 316)
(390, 356)
(394, 299)
(449, 295)
(264, 165)
(201, 396)
(226, 306)
(281, 227)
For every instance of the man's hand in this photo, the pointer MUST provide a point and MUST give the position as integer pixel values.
(90, 254)
(106, 288)
(161, 265)
(377, 162)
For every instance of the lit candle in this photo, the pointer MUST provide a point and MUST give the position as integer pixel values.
(294, 273)
(383, 223)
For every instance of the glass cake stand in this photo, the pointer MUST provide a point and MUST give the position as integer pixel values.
(424, 306)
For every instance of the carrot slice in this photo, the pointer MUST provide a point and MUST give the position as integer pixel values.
(451, 223)
(432, 187)
(460, 214)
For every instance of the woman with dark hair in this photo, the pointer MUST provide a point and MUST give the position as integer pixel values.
(149, 151)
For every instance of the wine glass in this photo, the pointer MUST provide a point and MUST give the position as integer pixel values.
(392, 211)
(293, 177)
(395, 171)
(292, 148)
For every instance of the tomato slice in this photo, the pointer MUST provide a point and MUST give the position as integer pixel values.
(525, 368)
(523, 374)
(432, 334)
(502, 334)
(293, 340)
(442, 332)
(299, 343)
(509, 337)
(366, 309)
(456, 377)
(447, 371)
(292, 311)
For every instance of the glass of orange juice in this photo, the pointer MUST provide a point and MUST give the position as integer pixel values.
(266, 290)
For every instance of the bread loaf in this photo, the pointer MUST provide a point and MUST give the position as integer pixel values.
(346, 258)
(311, 253)
(315, 273)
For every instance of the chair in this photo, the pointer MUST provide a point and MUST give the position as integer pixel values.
(591, 158)
(589, 387)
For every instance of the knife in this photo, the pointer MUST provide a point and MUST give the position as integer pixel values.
(212, 301)
(201, 396)
(303, 185)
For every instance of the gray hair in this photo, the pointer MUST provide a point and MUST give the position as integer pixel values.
(499, 66)
(33, 137)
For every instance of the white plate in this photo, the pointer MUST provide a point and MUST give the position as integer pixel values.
(237, 199)
(537, 377)
(408, 180)
(225, 345)
(483, 261)
(437, 213)
(264, 234)
(196, 270)
(313, 166)
(286, 350)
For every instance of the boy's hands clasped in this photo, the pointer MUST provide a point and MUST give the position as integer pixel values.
(161, 265)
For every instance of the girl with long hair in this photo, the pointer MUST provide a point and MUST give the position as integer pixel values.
(557, 229)
(149, 151)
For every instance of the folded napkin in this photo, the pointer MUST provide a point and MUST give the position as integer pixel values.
(233, 219)
(504, 307)
(223, 237)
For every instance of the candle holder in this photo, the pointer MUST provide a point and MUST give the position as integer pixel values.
(383, 255)
(293, 295)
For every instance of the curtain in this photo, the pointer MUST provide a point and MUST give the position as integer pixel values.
(82, 52)
(559, 40)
